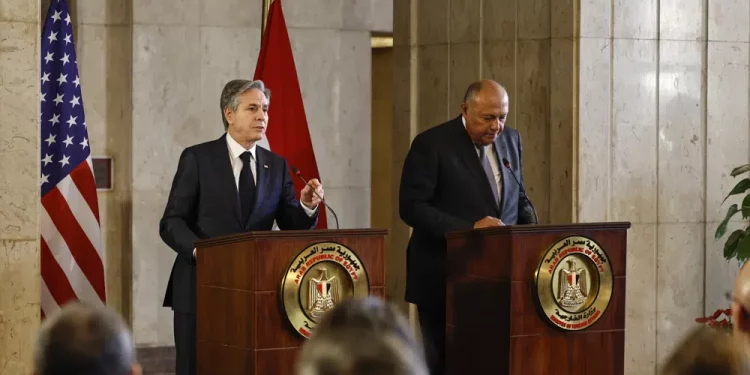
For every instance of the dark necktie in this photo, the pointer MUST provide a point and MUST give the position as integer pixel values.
(246, 189)
(488, 172)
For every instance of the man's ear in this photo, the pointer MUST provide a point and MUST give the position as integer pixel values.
(228, 115)
(464, 109)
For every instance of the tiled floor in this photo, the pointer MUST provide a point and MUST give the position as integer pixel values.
(157, 360)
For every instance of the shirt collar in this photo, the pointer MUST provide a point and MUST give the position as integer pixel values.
(235, 149)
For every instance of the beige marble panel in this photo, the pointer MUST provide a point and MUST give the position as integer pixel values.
(166, 112)
(464, 21)
(20, 11)
(226, 54)
(402, 23)
(380, 13)
(352, 205)
(360, 14)
(499, 63)
(432, 22)
(681, 19)
(166, 12)
(533, 19)
(115, 214)
(729, 20)
(231, 13)
(635, 19)
(97, 12)
(152, 263)
(595, 19)
(499, 20)
(563, 105)
(464, 71)
(19, 303)
(594, 130)
(313, 13)
(563, 15)
(681, 140)
(641, 294)
(679, 288)
(432, 93)
(19, 139)
(720, 273)
(532, 120)
(727, 123)
(634, 146)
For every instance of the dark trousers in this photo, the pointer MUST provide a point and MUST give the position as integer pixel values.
(185, 342)
(432, 325)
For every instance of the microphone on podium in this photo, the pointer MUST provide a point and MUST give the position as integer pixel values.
(520, 186)
(299, 174)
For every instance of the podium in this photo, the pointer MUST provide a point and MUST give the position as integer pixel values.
(242, 321)
(513, 305)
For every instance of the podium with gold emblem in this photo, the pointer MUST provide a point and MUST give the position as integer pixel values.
(260, 294)
(537, 299)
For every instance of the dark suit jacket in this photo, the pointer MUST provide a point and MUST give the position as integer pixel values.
(203, 203)
(443, 189)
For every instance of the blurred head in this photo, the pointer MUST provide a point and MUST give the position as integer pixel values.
(85, 340)
(244, 109)
(362, 337)
(485, 110)
(707, 351)
(741, 305)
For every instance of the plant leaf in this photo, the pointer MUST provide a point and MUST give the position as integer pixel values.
(730, 247)
(741, 187)
(743, 248)
(739, 170)
(733, 209)
(746, 207)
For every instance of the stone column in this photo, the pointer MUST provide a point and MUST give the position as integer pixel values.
(19, 188)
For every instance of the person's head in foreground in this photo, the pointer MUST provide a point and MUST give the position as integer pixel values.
(362, 337)
(706, 351)
(741, 306)
(85, 340)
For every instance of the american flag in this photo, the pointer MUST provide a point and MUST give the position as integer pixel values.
(71, 246)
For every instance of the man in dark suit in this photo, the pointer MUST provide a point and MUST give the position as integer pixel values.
(454, 178)
(223, 187)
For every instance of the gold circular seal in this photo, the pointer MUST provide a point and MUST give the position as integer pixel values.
(574, 283)
(318, 278)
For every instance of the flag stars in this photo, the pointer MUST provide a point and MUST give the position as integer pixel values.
(56, 16)
(52, 37)
(45, 179)
(67, 19)
(55, 119)
(51, 139)
(67, 39)
(72, 120)
(47, 159)
(68, 141)
(84, 144)
(77, 82)
(48, 57)
(58, 99)
(45, 77)
(65, 160)
(75, 101)
(41, 96)
(62, 79)
(65, 59)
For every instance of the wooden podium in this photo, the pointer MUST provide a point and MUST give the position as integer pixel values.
(495, 324)
(241, 329)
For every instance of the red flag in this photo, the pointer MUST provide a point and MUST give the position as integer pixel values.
(288, 134)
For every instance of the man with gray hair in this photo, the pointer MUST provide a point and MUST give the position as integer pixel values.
(227, 186)
(85, 340)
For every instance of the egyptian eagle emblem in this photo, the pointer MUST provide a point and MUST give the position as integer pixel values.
(572, 288)
(323, 294)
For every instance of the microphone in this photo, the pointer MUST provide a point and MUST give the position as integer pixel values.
(520, 186)
(299, 174)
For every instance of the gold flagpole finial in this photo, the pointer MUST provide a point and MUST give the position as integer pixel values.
(266, 8)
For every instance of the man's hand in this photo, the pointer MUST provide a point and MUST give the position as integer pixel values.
(309, 199)
(488, 221)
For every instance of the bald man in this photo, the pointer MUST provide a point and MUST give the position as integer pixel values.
(457, 176)
(741, 306)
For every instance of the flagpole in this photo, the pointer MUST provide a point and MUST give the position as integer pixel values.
(266, 7)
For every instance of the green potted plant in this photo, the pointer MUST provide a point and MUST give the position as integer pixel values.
(737, 245)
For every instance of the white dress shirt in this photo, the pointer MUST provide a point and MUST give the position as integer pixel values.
(493, 157)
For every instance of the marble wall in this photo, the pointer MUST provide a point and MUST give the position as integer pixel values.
(19, 188)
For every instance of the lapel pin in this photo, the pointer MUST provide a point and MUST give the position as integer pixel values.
(265, 166)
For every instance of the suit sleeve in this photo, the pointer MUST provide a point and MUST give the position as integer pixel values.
(291, 214)
(525, 210)
(419, 185)
(181, 208)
